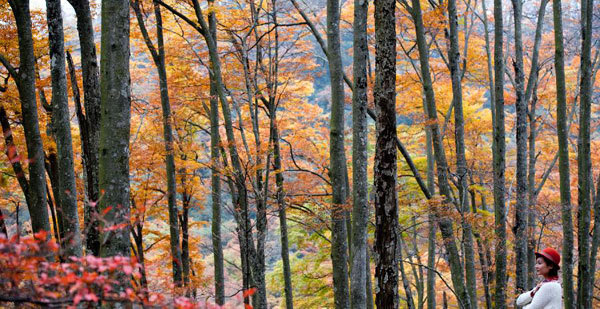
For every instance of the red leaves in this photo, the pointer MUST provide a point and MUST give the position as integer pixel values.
(26, 273)
(249, 292)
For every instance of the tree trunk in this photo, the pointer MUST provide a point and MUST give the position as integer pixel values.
(61, 125)
(35, 150)
(360, 202)
(386, 208)
(445, 223)
(337, 157)
(12, 154)
(90, 139)
(115, 126)
(499, 149)
(51, 166)
(158, 55)
(532, 195)
(461, 160)
(584, 163)
(136, 232)
(563, 157)
(215, 178)
(185, 238)
(285, 254)
(532, 84)
(410, 304)
(521, 207)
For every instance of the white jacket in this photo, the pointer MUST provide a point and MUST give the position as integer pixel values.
(549, 296)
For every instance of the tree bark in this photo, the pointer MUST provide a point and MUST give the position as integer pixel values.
(532, 84)
(360, 202)
(61, 125)
(532, 195)
(499, 149)
(521, 207)
(461, 160)
(215, 140)
(35, 150)
(158, 56)
(90, 139)
(563, 157)
(115, 126)
(285, 255)
(337, 157)
(184, 223)
(584, 162)
(386, 208)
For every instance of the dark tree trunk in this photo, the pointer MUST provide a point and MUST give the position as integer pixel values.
(91, 137)
(61, 125)
(26, 87)
(584, 162)
(498, 149)
(386, 208)
(185, 238)
(137, 233)
(563, 158)
(115, 126)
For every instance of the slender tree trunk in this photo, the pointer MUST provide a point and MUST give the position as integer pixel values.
(339, 233)
(285, 254)
(532, 195)
(410, 303)
(51, 166)
(461, 160)
(360, 202)
(158, 55)
(3, 229)
(26, 87)
(521, 207)
(595, 242)
(90, 139)
(499, 159)
(184, 221)
(445, 223)
(431, 237)
(215, 178)
(61, 125)
(137, 233)
(12, 153)
(115, 126)
(584, 163)
(563, 158)
(532, 84)
(386, 208)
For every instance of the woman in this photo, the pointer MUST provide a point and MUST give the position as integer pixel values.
(547, 294)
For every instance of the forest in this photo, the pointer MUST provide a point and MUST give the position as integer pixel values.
(298, 153)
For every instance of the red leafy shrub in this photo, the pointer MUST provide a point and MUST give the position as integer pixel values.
(28, 274)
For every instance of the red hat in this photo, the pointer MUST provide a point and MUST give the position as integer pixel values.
(550, 254)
